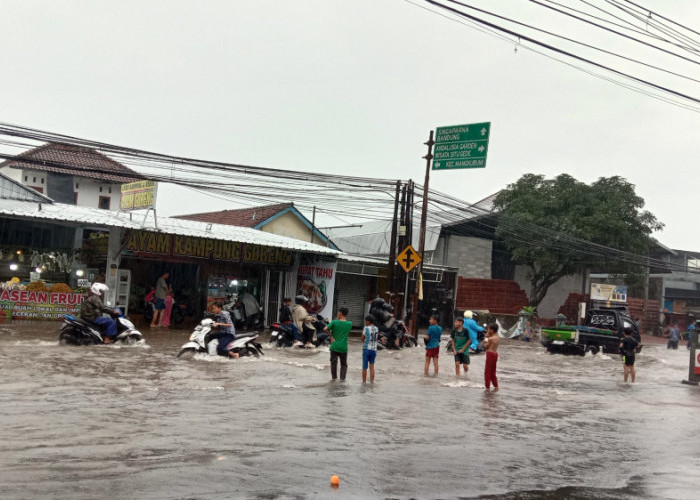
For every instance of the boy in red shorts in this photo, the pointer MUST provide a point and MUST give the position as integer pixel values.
(491, 347)
(432, 344)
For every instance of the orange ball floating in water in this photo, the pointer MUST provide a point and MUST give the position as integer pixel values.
(335, 481)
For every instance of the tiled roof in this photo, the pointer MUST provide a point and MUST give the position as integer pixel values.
(242, 217)
(73, 160)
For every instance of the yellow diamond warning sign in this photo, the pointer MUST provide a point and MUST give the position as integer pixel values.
(408, 259)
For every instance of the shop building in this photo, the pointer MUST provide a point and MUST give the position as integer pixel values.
(206, 261)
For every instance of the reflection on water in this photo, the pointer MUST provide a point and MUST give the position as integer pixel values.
(127, 422)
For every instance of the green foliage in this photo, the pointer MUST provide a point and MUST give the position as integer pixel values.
(607, 212)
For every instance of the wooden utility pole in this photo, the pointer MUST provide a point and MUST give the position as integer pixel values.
(392, 244)
(421, 241)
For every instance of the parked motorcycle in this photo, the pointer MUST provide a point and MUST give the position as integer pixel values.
(282, 335)
(77, 331)
(205, 340)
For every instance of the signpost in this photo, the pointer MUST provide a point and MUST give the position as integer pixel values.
(458, 146)
(408, 259)
(461, 146)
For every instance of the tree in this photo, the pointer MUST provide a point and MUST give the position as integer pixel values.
(606, 213)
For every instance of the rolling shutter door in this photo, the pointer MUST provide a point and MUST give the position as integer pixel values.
(352, 290)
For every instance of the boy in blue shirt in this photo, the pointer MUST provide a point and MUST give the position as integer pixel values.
(432, 345)
(369, 348)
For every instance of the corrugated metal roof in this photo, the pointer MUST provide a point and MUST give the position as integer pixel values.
(95, 217)
(372, 238)
(12, 190)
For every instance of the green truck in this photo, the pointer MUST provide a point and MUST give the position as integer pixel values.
(602, 330)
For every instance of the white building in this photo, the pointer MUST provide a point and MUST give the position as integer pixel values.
(71, 174)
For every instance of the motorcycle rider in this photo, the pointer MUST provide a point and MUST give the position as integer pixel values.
(474, 329)
(92, 309)
(227, 332)
(300, 316)
(286, 317)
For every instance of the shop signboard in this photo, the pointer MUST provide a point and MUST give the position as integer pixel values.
(316, 281)
(158, 245)
(608, 293)
(138, 195)
(24, 304)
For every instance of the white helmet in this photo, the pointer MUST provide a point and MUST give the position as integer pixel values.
(99, 288)
(468, 314)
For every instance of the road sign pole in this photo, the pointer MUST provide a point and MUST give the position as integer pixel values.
(423, 221)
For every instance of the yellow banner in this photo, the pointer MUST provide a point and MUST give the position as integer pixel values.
(138, 195)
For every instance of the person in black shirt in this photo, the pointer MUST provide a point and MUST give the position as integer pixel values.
(286, 317)
(628, 350)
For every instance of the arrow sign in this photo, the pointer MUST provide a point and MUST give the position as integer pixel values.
(461, 146)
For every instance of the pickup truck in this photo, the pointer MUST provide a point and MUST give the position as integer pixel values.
(602, 329)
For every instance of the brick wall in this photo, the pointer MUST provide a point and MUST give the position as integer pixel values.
(498, 296)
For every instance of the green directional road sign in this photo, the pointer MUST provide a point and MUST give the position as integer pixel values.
(461, 146)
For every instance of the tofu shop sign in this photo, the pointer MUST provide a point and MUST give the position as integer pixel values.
(158, 245)
(23, 304)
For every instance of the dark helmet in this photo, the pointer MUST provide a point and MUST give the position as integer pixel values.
(388, 308)
(377, 303)
(301, 300)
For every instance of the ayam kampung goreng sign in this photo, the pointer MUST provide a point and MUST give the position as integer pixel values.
(159, 245)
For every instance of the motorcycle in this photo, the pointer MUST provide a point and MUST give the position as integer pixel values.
(77, 331)
(393, 333)
(283, 335)
(203, 340)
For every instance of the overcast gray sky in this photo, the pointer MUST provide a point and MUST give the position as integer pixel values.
(348, 87)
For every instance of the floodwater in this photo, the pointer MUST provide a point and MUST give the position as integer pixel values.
(136, 422)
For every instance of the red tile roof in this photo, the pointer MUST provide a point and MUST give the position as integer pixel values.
(73, 160)
(243, 217)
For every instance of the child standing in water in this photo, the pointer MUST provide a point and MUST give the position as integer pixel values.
(432, 345)
(460, 343)
(339, 329)
(628, 350)
(369, 348)
(491, 347)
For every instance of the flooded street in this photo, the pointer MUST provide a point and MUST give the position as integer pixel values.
(136, 422)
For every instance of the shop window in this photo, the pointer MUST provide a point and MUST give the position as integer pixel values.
(104, 202)
(42, 180)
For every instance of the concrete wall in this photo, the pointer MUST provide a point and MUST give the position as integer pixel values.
(89, 193)
(289, 225)
(88, 190)
(557, 294)
(29, 178)
(471, 255)
(12, 173)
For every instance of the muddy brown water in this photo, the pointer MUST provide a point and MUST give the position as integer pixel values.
(136, 422)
